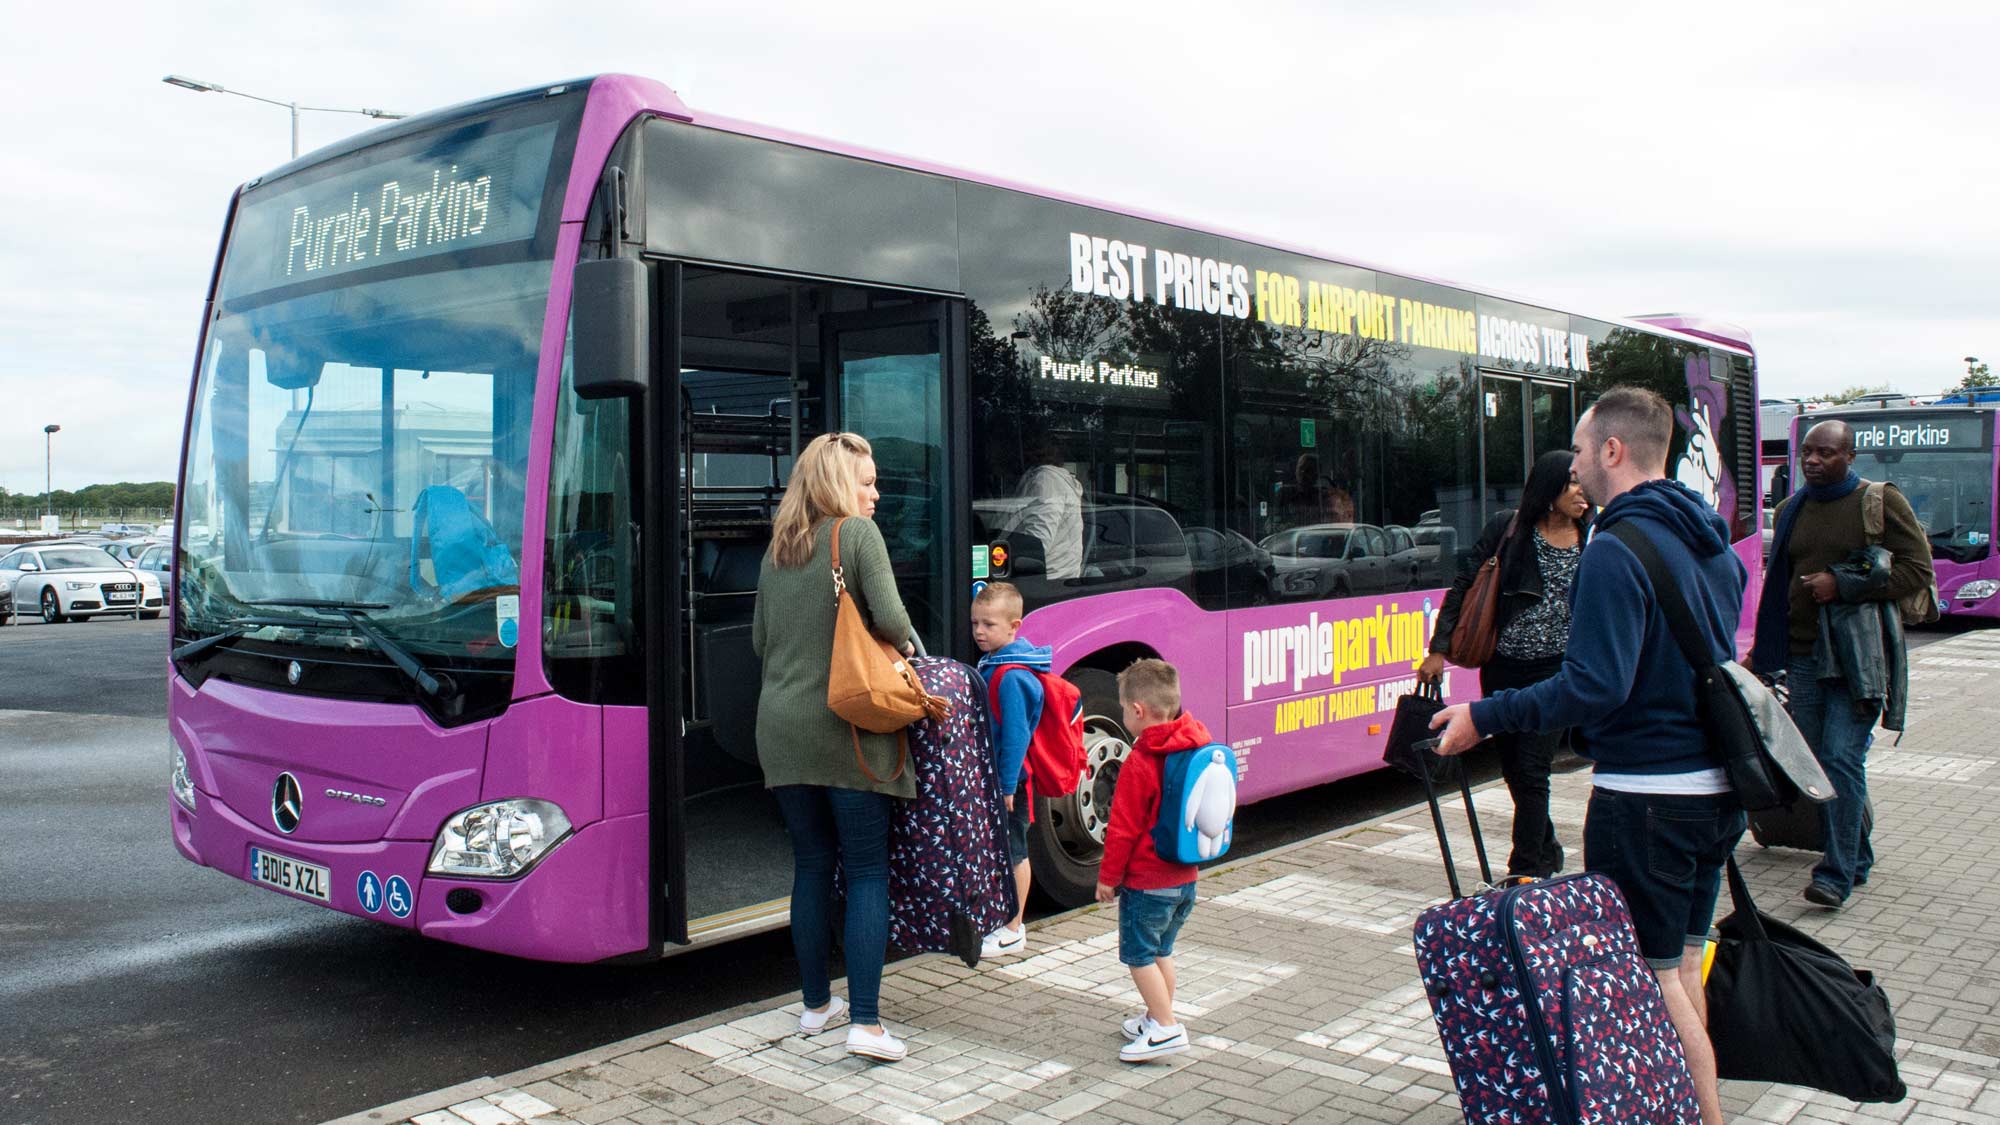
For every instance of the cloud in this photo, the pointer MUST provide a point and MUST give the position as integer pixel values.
(1820, 176)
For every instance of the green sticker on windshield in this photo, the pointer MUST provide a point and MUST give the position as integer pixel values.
(979, 555)
(1308, 433)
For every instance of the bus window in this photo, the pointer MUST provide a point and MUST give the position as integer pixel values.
(1096, 459)
(589, 642)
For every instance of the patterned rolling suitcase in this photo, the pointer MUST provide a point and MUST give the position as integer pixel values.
(1544, 1005)
(949, 880)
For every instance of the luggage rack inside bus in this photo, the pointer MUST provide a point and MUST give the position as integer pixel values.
(728, 529)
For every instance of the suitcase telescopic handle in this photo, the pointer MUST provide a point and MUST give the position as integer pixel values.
(1427, 754)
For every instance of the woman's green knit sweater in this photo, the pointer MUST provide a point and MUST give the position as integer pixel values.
(799, 740)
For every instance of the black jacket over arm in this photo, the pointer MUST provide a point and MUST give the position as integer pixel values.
(1520, 578)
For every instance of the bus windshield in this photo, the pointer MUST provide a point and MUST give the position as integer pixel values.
(1950, 492)
(360, 427)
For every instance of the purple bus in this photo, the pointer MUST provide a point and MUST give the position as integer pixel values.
(1941, 457)
(493, 406)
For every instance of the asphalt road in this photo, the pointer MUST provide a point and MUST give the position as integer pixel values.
(136, 985)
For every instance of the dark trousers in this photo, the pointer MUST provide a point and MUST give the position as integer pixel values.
(1525, 761)
(850, 829)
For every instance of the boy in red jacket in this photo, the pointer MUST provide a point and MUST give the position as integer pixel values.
(1154, 897)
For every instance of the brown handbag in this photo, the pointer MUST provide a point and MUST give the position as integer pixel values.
(1478, 631)
(869, 683)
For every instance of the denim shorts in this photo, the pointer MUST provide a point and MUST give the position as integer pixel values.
(1665, 853)
(1017, 828)
(1148, 922)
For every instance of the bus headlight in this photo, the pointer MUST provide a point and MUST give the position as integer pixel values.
(1983, 588)
(499, 839)
(182, 784)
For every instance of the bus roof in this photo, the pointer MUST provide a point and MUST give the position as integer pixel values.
(631, 96)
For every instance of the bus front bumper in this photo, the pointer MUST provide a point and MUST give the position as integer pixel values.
(583, 901)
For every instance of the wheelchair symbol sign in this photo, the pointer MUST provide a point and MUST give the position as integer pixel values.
(368, 888)
(397, 896)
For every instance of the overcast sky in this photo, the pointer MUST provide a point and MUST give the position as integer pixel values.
(1824, 175)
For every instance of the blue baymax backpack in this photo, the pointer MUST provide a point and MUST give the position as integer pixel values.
(466, 554)
(1197, 804)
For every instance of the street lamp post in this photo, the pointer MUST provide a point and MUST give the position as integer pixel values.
(200, 87)
(48, 471)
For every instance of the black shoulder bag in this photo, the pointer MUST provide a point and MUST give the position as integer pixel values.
(1769, 763)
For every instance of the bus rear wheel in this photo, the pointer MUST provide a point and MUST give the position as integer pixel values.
(1067, 840)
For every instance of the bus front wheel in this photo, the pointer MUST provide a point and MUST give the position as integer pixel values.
(1067, 839)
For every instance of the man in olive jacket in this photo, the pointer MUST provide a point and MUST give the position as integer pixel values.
(1819, 529)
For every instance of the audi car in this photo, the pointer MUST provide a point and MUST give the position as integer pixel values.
(65, 583)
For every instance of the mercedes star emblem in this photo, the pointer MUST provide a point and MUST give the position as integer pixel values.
(293, 672)
(285, 803)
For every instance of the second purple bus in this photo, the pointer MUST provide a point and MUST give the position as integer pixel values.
(494, 405)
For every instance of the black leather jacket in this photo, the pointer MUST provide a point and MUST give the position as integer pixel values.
(1861, 637)
(1520, 578)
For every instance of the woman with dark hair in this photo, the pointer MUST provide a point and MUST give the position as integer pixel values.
(1539, 545)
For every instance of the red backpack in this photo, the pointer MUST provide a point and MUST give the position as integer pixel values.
(1054, 761)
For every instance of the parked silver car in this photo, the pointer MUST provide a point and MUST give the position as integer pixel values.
(64, 583)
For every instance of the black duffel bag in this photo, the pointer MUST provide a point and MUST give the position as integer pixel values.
(1784, 1008)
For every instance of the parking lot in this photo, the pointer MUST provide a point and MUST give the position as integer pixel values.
(134, 980)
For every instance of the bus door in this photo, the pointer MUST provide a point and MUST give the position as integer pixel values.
(893, 376)
(1521, 419)
(761, 365)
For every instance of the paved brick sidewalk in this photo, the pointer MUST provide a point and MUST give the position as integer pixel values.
(1298, 982)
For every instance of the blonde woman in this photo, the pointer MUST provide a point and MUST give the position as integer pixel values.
(835, 812)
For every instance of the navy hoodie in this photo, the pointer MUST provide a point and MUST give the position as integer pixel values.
(1624, 684)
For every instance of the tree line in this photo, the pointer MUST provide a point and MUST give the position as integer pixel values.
(123, 495)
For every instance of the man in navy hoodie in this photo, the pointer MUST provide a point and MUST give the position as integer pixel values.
(1662, 819)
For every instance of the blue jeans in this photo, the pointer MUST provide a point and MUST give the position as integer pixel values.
(847, 828)
(1149, 921)
(1838, 730)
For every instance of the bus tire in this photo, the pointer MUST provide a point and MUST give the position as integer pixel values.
(1066, 840)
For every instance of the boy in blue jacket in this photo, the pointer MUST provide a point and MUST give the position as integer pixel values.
(1662, 818)
(996, 627)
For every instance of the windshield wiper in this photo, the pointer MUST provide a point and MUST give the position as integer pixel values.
(232, 629)
(438, 686)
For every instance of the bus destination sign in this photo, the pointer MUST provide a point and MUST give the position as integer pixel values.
(1904, 434)
(451, 195)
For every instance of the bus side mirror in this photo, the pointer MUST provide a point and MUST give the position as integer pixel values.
(611, 343)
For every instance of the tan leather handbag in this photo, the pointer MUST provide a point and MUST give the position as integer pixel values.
(869, 683)
(1478, 629)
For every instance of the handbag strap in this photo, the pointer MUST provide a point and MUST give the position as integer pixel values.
(902, 756)
(1673, 605)
(1746, 907)
(1431, 690)
(839, 579)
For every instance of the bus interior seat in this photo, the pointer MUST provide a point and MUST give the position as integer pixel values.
(727, 671)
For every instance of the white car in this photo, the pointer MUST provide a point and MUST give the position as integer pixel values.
(66, 582)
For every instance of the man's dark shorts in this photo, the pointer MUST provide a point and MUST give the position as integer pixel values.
(1665, 853)
(1017, 828)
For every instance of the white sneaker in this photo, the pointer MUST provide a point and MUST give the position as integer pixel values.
(883, 1047)
(1132, 1026)
(1154, 1041)
(1004, 942)
(812, 1023)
